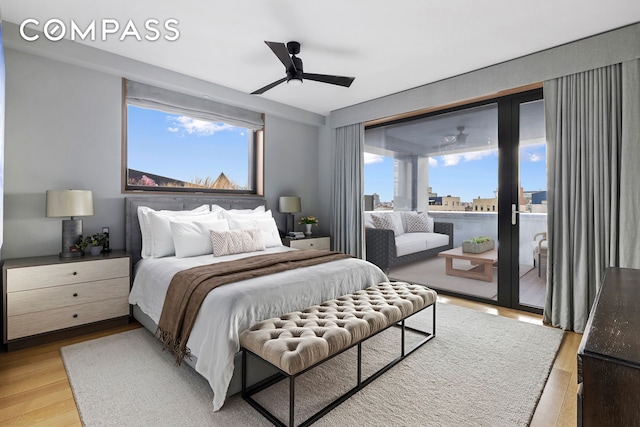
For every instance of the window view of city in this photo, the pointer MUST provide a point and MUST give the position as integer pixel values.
(467, 183)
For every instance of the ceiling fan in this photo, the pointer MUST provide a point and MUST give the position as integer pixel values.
(453, 139)
(460, 137)
(293, 66)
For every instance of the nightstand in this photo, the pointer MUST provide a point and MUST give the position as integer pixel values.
(314, 242)
(50, 296)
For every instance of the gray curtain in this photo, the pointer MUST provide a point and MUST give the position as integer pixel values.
(347, 194)
(593, 202)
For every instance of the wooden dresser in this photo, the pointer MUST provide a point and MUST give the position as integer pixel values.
(48, 294)
(609, 354)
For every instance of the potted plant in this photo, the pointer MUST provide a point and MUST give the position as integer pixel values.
(95, 242)
(477, 245)
(308, 221)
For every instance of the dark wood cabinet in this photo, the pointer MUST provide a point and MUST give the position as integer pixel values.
(609, 354)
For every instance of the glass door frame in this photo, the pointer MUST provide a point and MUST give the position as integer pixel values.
(508, 194)
(508, 288)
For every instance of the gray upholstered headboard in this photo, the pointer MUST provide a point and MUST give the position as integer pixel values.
(133, 237)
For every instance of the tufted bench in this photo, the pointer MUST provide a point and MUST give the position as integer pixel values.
(296, 342)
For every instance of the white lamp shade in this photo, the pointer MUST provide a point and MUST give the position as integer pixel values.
(69, 203)
(290, 204)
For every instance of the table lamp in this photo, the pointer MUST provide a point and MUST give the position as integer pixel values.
(290, 205)
(70, 203)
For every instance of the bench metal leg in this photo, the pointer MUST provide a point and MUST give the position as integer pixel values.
(292, 400)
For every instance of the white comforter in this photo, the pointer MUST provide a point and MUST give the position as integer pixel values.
(230, 309)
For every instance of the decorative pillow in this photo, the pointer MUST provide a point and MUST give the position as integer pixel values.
(267, 226)
(236, 241)
(161, 239)
(193, 238)
(368, 220)
(145, 224)
(390, 221)
(418, 222)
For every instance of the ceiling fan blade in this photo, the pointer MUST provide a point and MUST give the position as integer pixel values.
(269, 86)
(281, 51)
(325, 78)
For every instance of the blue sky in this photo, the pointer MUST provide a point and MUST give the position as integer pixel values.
(184, 148)
(468, 175)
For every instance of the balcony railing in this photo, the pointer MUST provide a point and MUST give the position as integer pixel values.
(473, 224)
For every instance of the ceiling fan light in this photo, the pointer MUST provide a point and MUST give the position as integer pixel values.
(294, 82)
(450, 139)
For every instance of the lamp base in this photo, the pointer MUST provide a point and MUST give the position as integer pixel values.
(74, 254)
(291, 217)
(71, 233)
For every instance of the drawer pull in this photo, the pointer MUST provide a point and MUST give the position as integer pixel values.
(75, 273)
(75, 295)
(310, 244)
(75, 315)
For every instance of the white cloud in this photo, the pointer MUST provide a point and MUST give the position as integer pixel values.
(170, 129)
(199, 127)
(370, 158)
(454, 159)
(433, 162)
(451, 159)
(533, 157)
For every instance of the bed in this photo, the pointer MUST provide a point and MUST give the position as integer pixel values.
(229, 309)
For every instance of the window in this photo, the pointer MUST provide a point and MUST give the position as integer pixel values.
(445, 158)
(180, 143)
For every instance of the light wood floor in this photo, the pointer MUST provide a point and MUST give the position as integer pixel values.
(35, 391)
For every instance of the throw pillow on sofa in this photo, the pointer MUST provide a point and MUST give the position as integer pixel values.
(418, 222)
(368, 220)
(390, 221)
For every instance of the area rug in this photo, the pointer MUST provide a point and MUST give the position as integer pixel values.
(431, 272)
(480, 370)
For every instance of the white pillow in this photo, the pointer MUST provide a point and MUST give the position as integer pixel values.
(161, 239)
(246, 215)
(145, 225)
(236, 241)
(368, 220)
(217, 208)
(418, 222)
(192, 238)
(267, 226)
(256, 210)
(389, 220)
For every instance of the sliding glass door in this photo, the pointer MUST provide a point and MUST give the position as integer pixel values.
(462, 166)
(524, 213)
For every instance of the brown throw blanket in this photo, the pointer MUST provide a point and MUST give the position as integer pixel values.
(189, 288)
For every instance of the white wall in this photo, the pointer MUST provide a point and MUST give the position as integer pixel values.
(63, 130)
(292, 168)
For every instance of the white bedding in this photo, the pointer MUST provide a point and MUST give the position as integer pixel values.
(230, 309)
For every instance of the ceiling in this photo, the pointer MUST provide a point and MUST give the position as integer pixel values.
(460, 131)
(389, 47)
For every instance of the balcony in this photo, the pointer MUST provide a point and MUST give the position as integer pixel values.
(431, 272)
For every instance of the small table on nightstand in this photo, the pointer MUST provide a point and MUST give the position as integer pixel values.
(313, 242)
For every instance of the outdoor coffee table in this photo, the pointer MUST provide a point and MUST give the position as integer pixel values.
(483, 262)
